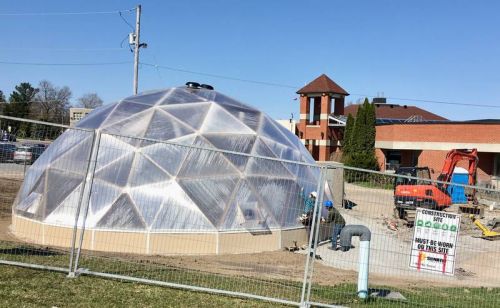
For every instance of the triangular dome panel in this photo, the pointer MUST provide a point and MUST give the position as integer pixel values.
(168, 157)
(177, 96)
(103, 196)
(144, 172)
(116, 172)
(148, 98)
(218, 120)
(164, 127)
(149, 202)
(192, 115)
(125, 110)
(122, 215)
(210, 195)
(96, 117)
(179, 212)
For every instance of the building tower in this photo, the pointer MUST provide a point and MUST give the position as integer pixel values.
(321, 136)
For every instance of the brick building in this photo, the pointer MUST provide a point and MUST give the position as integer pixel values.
(426, 144)
(321, 117)
(406, 136)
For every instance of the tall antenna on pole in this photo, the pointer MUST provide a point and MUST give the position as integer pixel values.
(134, 40)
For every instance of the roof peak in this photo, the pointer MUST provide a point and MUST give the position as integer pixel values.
(322, 84)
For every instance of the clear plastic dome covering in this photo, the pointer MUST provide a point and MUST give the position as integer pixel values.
(141, 183)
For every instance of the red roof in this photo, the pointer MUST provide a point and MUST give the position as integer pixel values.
(392, 111)
(322, 84)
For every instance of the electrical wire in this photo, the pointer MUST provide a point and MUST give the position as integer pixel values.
(298, 87)
(124, 20)
(156, 66)
(65, 64)
(62, 49)
(219, 76)
(66, 13)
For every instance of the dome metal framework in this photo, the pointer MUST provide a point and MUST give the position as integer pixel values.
(152, 174)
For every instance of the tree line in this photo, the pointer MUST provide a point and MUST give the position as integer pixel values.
(46, 102)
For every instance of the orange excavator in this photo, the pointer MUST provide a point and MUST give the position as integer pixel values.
(411, 193)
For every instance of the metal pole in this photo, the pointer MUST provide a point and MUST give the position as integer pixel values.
(136, 47)
(317, 207)
(71, 273)
(88, 191)
(309, 256)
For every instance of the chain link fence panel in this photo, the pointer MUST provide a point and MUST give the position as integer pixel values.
(35, 179)
(397, 275)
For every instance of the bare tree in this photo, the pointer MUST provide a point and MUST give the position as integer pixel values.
(90, 100)
(51, 103)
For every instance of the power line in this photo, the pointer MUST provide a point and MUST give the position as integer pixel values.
(433, 101)
(64, 49)
(64, 64)
(124, 20)
(298, 87)
(66, 13)
(156, 66)
(220, 76)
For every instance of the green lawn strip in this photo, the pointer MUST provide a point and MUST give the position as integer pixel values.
(282, 289)
(342, 294)
(345, 294)
(22, 287)
(287, 290)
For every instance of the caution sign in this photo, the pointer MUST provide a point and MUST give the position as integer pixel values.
(434, 241)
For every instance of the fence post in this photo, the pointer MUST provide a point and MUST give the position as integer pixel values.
(71, 273)
(313, 241)
(85, 201)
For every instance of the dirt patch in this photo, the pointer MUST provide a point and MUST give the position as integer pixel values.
(8, 192)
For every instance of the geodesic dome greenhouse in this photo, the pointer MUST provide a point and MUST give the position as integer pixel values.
(154, 176)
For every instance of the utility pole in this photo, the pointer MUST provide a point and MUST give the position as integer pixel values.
(137, 46)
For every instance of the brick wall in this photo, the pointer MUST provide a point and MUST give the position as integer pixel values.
(464, 133)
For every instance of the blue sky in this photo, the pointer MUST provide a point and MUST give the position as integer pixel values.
(430, 50)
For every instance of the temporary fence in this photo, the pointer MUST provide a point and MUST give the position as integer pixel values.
(21, 161)
(431, 258)
(181, 215)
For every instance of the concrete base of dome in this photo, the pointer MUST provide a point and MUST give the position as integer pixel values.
(149, 243)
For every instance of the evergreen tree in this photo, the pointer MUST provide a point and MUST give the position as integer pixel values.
(358, 131)
(19, 106)
(347, 147)
(361, 139)
(20, 100)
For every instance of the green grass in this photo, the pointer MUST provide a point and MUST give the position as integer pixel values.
(20, 287)
(345, 294)
(29, 288)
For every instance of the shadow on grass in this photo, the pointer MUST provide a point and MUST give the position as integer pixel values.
(29, 251)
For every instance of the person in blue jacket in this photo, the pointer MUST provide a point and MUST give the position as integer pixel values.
(338, 221)
(309, 202)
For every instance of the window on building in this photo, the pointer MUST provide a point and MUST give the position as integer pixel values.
(496, 165)
(393, 160)
(77, 115)
(314, 110)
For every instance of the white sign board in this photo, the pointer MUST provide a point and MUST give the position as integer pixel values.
(434, 241)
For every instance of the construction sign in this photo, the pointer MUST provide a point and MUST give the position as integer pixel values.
(434, 241)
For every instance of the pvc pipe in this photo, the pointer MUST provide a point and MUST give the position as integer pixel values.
(364, 253)
(364, 257)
